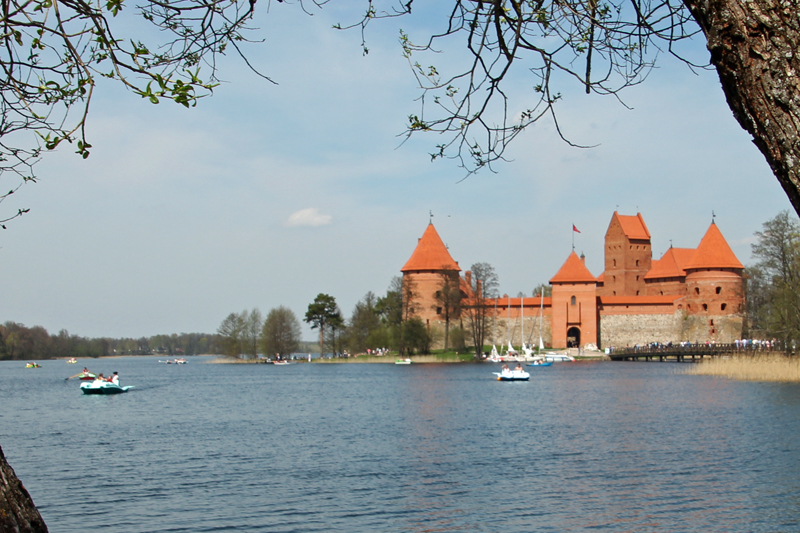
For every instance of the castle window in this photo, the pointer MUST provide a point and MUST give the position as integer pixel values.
(637, 262)
(697, 290)
(723, 306)
(615, 293)
(613, 278)
(719, 290)
(705, 307)
(615, 262)
(637, 293)
(711, 322)
(572, 300)
(713, 331)
(438, 310)
(661, 293)
(637, 277)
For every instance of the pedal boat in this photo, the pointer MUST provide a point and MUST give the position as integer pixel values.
(103, 387)
(512, 375)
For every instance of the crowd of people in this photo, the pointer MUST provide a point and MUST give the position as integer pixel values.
(113, 378)
(738, 344)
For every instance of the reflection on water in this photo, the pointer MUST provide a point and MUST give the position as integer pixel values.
(608, 446)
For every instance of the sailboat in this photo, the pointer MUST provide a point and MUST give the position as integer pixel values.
(494, 357)
(538, 360)
(526, 349)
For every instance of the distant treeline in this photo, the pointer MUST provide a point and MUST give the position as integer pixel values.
(20, 342)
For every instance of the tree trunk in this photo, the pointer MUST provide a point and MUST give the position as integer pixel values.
(755, 46)
(18, 514)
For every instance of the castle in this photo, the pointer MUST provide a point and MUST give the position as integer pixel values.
(690, 294)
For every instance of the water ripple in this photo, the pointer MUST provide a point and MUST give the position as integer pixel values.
(584, 447)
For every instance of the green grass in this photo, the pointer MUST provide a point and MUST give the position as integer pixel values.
(438, 356)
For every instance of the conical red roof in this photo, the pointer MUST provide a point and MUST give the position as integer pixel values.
(713, 252)
(430, 254)
(573, 271)
(671, 265)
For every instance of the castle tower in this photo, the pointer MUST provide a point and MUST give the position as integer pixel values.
(627, 256)
(424, 274)
(668, 277)
(574, 305)
(714, 287)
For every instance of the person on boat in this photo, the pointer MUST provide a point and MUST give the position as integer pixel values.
(518, 368)
(85, 370)
(100, 377)
(114, 379)
(505, 368)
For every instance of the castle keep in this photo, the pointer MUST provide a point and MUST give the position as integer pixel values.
(690, 294)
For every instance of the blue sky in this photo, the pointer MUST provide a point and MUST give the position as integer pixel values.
(267, 195)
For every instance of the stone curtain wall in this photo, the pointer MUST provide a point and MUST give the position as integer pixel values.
(501, 326)
(629, 330)
(723, 329)
(512, 327)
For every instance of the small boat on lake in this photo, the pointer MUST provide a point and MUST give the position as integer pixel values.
(541, 363)
(103, 387)
(558, 357)
(72, 361)
(516, 374)
(85, 375)
(281, 362)
(33, 365)
(403, 361)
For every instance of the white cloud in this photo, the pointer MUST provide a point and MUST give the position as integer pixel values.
(310, 217)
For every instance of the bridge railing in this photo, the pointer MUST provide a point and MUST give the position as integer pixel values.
(743, 348)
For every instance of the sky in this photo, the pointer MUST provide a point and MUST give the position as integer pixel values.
(269, 194)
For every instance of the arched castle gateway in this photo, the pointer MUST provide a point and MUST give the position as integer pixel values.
(690, 294)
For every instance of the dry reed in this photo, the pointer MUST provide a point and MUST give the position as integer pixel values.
(769, 367)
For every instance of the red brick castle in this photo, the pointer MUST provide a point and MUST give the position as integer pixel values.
(690, 294)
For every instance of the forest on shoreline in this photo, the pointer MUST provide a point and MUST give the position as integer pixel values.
(19, 342)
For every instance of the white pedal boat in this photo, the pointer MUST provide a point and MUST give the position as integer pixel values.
(103, 387)
(512, 375)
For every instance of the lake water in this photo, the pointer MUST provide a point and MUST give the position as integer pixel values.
(384, 448)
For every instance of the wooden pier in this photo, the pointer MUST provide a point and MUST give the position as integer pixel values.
(688, 352)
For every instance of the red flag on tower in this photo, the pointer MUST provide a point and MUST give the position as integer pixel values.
(576, 230)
